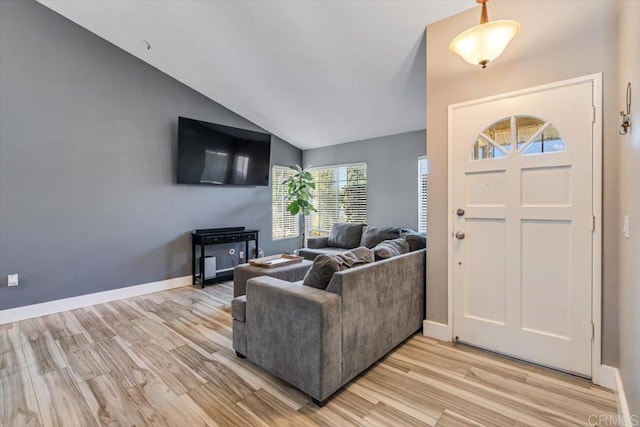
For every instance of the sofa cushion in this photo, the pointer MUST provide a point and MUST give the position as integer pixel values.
(371, 236)
(391, 248)
(239, 308)
(416, 241)
(345, 235)
(325, 265)
(357, 256)
(311, 254)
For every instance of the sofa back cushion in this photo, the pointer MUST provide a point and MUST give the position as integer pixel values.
(371, 236)
(345, 235)
(416, 241)
(324, 266)
(391, 248)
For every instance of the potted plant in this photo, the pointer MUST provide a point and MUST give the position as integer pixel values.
(300, 188)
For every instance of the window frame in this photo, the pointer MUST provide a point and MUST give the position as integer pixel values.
(423, 193)
(310, 232)
(276, 183)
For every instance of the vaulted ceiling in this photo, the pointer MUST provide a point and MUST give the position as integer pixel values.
(315, 73)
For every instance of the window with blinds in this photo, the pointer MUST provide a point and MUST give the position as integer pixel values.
(283, 225)
(422, 194)
(340, 196)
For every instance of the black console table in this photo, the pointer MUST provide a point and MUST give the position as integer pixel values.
(216, 236)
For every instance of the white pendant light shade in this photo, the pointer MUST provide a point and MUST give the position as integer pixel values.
(485, 42)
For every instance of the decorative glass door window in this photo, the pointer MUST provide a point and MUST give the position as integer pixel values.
(524, 135)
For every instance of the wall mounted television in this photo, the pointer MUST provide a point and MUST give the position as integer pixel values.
(213, 154)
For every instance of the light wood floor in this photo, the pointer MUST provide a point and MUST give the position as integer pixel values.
(166, 359)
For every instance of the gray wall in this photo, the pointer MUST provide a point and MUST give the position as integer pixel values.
(629, 71)
(392, 174)
(87, 149)
(551, 47)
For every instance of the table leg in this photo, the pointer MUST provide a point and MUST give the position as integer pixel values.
(193, 262)
(202, 266)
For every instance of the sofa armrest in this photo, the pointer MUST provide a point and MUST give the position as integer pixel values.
(295, 332)
(317, 242)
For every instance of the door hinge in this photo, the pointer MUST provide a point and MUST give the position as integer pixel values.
(593, 223)
(593, 331)
(593, 114)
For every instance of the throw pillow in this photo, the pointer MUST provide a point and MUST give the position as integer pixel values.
(416, 241)
(357, 256)
(371, 236)
(345, 235)
(391, 248)
(320, 274)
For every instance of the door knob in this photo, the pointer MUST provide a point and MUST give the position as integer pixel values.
(460, 235)
(460, 212)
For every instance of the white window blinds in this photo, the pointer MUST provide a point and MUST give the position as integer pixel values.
(284, 225)
(340, 196)
(422, 194)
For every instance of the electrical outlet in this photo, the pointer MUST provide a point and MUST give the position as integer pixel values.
(12, 280)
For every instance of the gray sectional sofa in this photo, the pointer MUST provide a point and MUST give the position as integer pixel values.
(347, 236)
(318, 340)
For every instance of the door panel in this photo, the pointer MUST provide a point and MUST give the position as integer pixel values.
(522, 172)
(545, 261)
(546, 186)
(486, 188)
(485, 296)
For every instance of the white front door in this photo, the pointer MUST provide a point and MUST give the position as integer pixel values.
(522, 225)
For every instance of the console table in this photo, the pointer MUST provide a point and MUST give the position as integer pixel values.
(216, 236)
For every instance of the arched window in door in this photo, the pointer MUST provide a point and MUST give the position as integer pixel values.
(525, 135)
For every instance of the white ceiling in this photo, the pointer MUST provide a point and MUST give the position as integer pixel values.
(315, 73)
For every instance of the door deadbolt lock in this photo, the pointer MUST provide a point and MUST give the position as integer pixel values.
(460, 212)
(460, 235)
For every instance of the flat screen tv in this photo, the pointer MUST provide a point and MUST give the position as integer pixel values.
(212, 154)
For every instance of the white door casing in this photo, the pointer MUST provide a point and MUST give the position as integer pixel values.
(522, 277)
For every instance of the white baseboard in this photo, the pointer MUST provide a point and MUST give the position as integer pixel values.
(50, 307)
(436, 330)
(609, 377)
(623, 407)
(606, 377)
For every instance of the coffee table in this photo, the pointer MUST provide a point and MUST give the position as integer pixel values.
(290, 273)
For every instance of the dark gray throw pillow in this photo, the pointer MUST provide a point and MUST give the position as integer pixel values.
(391, 248)
(345, 235)
(324, 266)
(319, 275)
(371, 236)
(416, 241)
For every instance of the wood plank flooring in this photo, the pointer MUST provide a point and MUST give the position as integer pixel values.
(166, 359)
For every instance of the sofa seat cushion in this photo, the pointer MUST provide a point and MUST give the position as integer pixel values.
(311, 253)
(371, 236)
(239, 308)
(416, 241)
(345, 235)
(324, 266)
(391, 248)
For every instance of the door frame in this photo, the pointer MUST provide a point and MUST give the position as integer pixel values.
(596, 285)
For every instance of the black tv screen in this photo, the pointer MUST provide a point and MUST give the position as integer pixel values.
(213, 154)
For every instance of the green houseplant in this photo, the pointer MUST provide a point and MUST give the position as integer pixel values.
(300, 188)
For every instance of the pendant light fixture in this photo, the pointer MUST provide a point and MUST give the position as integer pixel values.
(485, 42)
